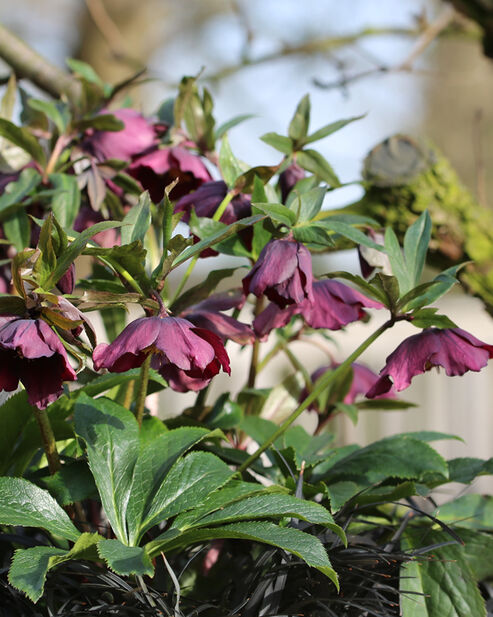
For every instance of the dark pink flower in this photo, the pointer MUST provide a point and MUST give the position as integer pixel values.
(137, 136)
(180, 351)
(207, 198)
(283, 272)
(207, 314)
(160, 167)
(334, 305)
(31, 352)
(288, 179)
(454, 349)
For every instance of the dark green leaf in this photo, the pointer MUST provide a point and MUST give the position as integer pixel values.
(313, 161)
(389, 286)
(16, 191)
(385, 404)
(369, 289)
(328, 129)
(348, 231)
(17, 229)
(23, 138)
(74, 482)
(30, 567)
(477, 550)
(312, 234)
(466, 469)
(226, 414)
(442, 283)
(202, 290)
(277, 212)
(101, 122)
(279, 142)
(124, 559)
(426, 318)
(66, 202)
(11, 305)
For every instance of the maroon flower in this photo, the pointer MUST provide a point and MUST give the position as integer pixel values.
(454, 349)
(334, 305)
(31, 352)
(182, 353)
(207, 314)
(137, 136)
(66, 283)
(159, 168)
(283, 273)
(207, 198)
(288, 179)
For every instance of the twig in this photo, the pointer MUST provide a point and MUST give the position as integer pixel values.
(29, 64)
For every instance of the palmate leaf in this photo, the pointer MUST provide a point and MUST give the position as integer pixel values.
(305, 546)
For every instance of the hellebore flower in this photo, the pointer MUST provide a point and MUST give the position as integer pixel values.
(137, 136)
(31, 352)
(160, 167)
(288, 179)
(186, 356)
(334, 305)
(454, 349)
(207, 314)
(283, 272)
(206, 199)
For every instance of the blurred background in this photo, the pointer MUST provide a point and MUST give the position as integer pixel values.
(413, 66)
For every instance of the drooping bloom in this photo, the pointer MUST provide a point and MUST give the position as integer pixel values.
(334, 305)
(136, 137)
(208, 314)
(206, 199)
(288, 179)
(283, 272)
(181, 353)
(454, 349)
(31, 352)
(160, 167)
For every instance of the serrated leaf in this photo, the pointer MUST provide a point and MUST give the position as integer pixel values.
(23, 138)
(112, 438)
(305, 546)
(279, 142)
(328, 129)
(30, 567)
(125, 560)
(137, 220)
(307, 449)
(313, 161)
(441, 585)
(23, 503)
(66, 201)
(277, 212)
(416, 241)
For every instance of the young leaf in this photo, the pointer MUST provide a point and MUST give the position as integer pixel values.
(23, 503)
(416, 241)
(298, 127)
(328, 129)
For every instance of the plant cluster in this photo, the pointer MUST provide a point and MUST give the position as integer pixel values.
(230, 505)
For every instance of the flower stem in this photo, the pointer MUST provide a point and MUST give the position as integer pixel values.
(129, 394)
(48, 438)
(142, 393)
(321, 385)
(252, 375)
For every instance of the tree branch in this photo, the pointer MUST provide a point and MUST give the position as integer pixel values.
(28, 64)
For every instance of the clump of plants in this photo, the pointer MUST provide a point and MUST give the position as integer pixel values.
(228, 507)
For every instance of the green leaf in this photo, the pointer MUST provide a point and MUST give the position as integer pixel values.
(350, 232)
(84, 70)
(312, 234)
(307, 449)
(58, 113)
(23, 503)
(313, 161)
(309, 204)
(464, 470)
(328, 129)
(477, 551)
(441, 585)
(441, 285)
(23, 138)
(385, 404)
(125, 560)
(305, 546)
(220, 235)
(17, 229)
(66, 201)
(74, 482)
(101, 122)
(277, 212)
(402, 457)
(279, 142)
(416, 242)
(396, 257)
(426, 318)
(201, 291)
(226, 414)
(228, 163)
(8, 99)
(471, 511)
(389, 286)
(16, 191)
(30, 567)
(10, 305)
(188, 483)
(222, 129)
(137, 220)
(111, 434)
(298, 127)
(370, 290)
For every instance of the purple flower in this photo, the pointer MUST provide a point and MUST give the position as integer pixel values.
(288, 179)
(181, 353)
(207, 198)
(31, 352)
(137, 136)
(159, 168)
(283, 272)
(206, 314)
(454, 349)
(66, 283)
(334, 305)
